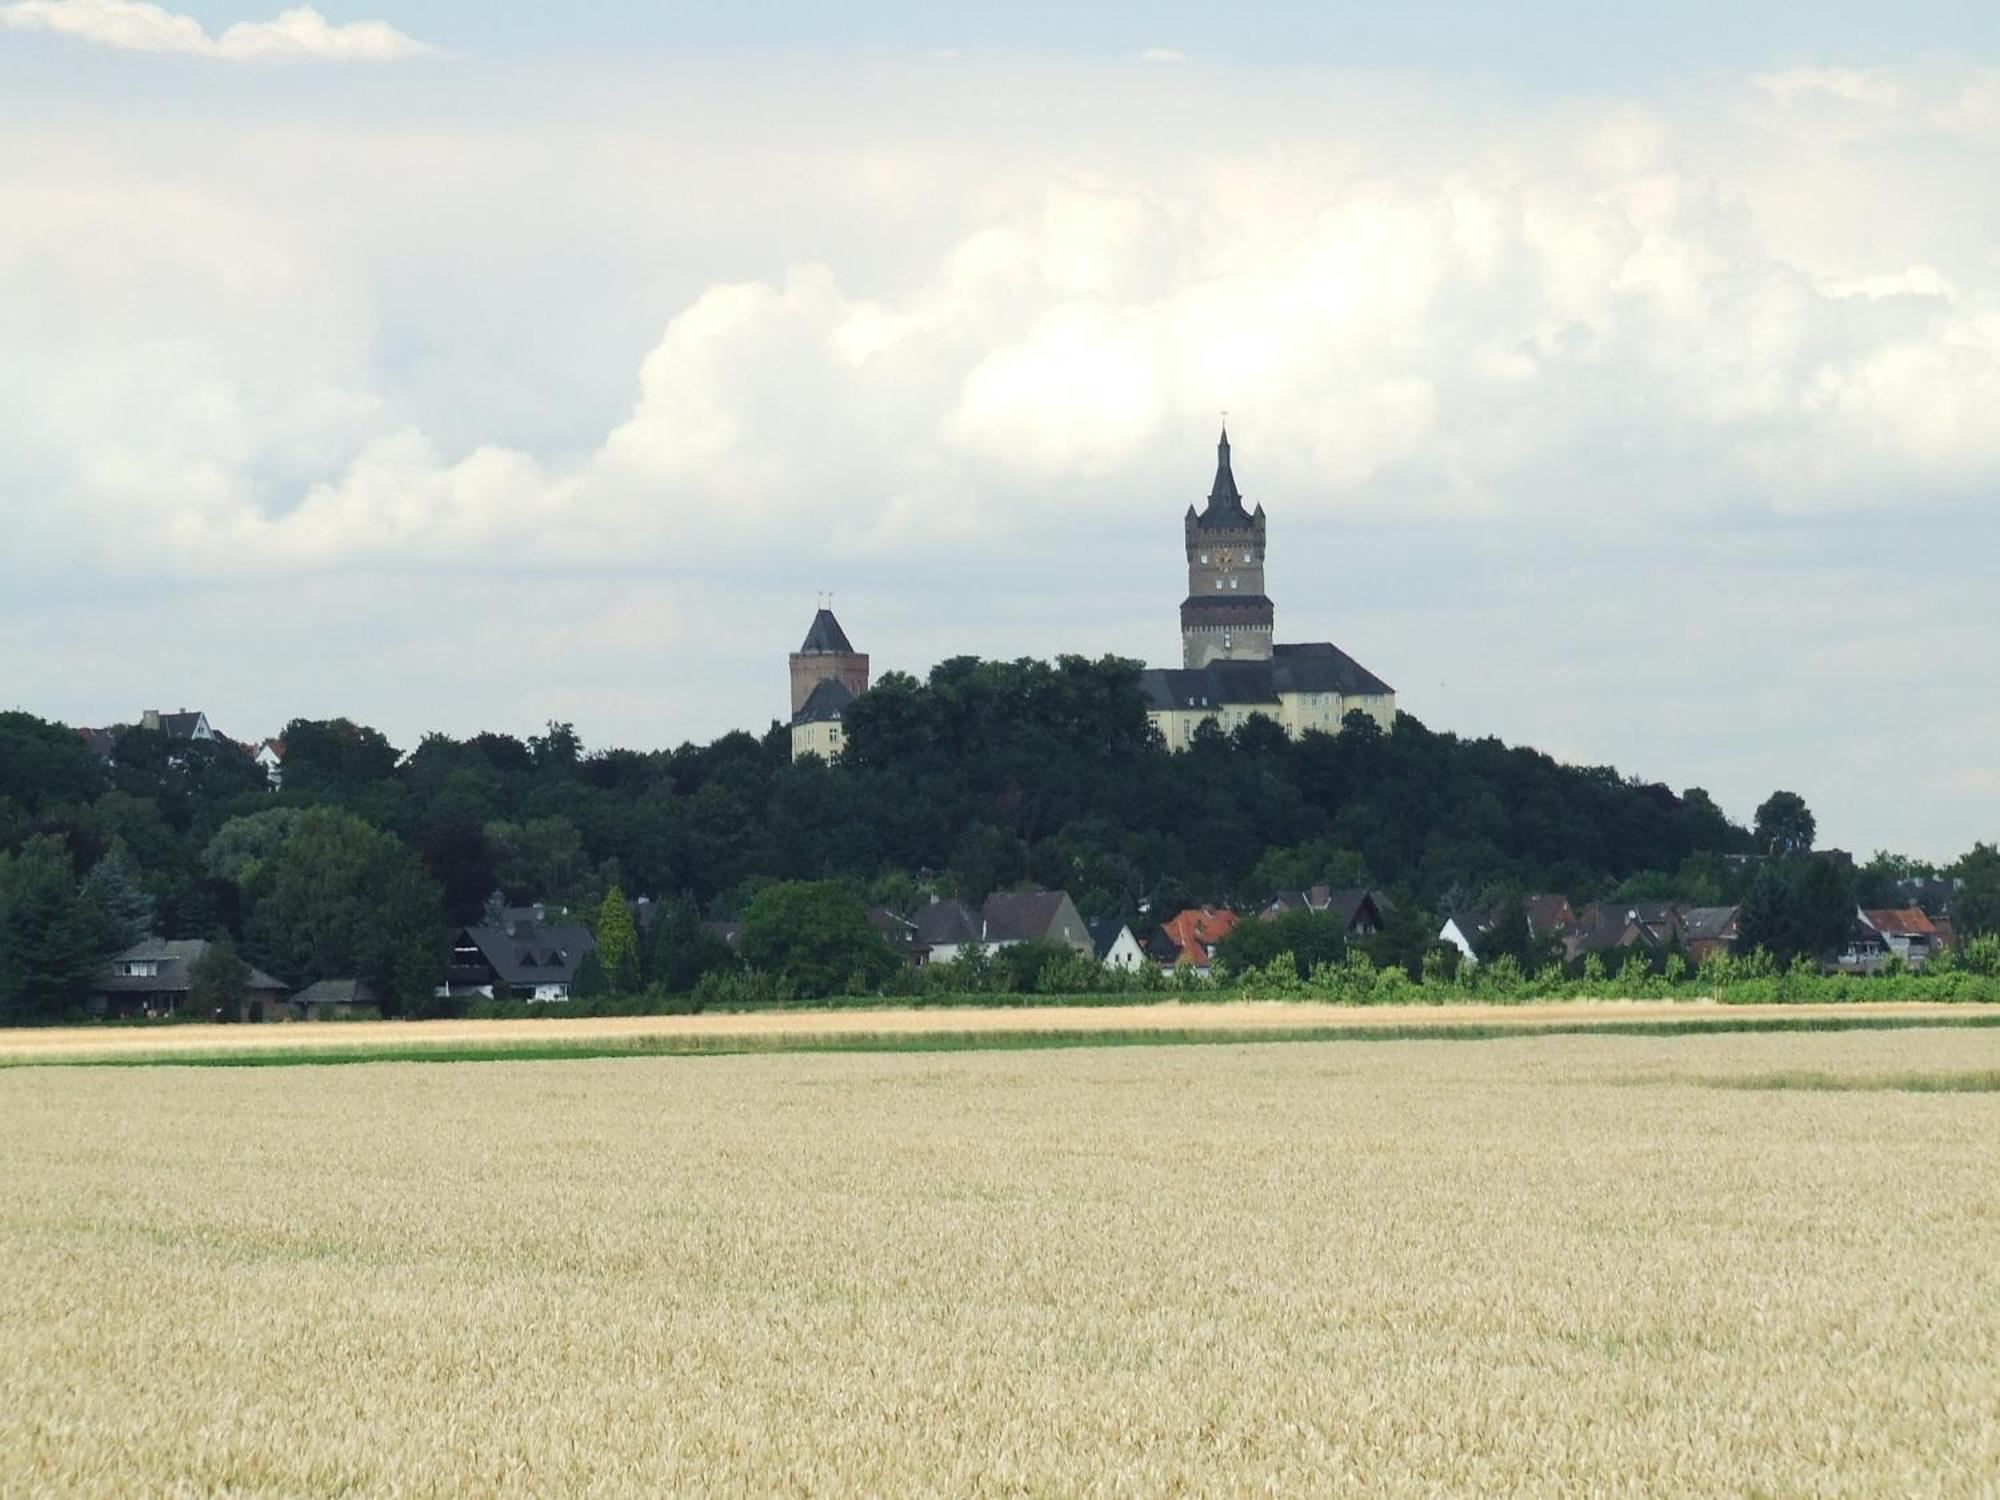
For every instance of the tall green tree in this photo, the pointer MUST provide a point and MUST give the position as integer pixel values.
(1975, 908)
(343, 899)
(124, 907)
(814, 935)
(53, 942)
(1784, 824)
(218, 983)
(680, 950)
(618, 943)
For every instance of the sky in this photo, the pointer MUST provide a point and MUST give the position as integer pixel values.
(1627, 386)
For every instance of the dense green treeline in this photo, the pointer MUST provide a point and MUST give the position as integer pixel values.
(985, 776)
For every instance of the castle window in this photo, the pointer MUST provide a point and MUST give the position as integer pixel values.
(1218, 583)
(1204, 558)
(1232, 583)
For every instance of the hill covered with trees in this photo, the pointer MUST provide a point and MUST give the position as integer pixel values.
(985, 776)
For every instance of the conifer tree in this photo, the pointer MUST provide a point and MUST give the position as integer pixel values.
(618, 943)
(122, 903)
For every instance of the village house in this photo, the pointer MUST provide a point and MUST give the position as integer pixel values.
(1610, 926)
(524, 955)
(1548, 916)
(895, 929)
(1114, 944)
(1361, 913)
(1880, 935)
(152, 978)
(270, 758)
(1710, 930)
(330, 1000)
(1189, 939)
(948, 928)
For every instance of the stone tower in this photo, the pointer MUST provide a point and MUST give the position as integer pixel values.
(826, 655)
(1226, 616)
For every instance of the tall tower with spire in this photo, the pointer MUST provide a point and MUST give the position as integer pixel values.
(1226, 615)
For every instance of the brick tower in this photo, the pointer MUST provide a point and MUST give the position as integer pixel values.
(827, 654)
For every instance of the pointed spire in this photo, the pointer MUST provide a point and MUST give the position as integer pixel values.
(1225, 481)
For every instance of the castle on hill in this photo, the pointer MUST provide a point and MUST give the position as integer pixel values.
(1231, 668)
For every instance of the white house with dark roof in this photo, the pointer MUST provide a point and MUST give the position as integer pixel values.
(1115, 945)
(531, 957)
(947, 928)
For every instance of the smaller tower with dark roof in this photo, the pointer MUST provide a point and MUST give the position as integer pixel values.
(827, 675)
(1226, 615)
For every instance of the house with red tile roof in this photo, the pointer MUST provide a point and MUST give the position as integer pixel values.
(1190, 938)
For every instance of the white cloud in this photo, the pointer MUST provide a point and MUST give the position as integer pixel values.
(139, 26)
(1162, 55)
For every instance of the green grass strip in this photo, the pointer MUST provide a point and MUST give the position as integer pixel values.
(581, 1048)
(1973, 1081)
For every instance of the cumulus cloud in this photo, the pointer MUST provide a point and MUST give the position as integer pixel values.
(139, 26)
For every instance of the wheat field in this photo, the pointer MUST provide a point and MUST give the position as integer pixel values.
(1537, 1265)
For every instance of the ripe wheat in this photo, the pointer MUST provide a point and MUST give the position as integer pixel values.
(1553, 1264)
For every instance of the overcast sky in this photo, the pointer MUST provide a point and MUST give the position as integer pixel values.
(1629, 388)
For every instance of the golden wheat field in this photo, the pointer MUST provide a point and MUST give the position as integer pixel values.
(1553, 1264)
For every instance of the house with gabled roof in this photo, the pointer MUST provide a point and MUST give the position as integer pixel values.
(1361, 913)
(524, 955)
(1115, 946)
(1607, 926)
(945, 929)
(153, 978)
(1878, 935)
(1189, 938)
(1549, 915)
(1710, 930)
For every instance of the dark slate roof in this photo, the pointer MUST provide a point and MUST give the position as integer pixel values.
(947, 921)
(1322, 667)
(826, 636)
(534, 953)
(897, 930)
(1710, 924)
(1315, 667)
(1104, 931)
(180, 726)
(829, 699)
(175, 956)
(338, 992)
(1021, 916)
(1225, 501)
(1348, 905)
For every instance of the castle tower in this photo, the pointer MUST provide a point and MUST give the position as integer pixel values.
(827, 653)
(827, 675)
(1226, 616)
